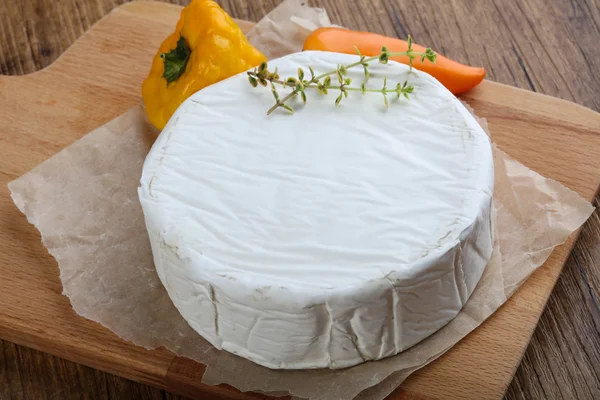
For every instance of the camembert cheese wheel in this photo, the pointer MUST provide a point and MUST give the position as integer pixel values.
(327, 237)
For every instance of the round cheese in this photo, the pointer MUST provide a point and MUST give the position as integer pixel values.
(327, 237)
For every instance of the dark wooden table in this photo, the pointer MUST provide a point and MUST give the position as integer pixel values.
(548, 46)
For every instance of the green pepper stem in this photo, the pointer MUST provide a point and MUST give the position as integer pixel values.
(175, 61)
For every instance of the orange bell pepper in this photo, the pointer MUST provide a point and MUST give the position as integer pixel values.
(456, 77)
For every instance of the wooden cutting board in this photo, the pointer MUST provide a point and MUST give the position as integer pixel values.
(100, 76)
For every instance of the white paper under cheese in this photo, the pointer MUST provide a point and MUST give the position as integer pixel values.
(325, 238)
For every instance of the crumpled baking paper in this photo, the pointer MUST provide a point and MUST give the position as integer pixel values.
(284, 29)
(84, 202)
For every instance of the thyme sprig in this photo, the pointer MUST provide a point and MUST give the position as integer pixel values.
(323, 82)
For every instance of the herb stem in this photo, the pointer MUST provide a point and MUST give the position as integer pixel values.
(282, 101)
(263, 76)
(356, 89)
(367, 60)
(316, 79)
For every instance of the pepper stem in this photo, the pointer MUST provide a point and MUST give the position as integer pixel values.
(175, 61)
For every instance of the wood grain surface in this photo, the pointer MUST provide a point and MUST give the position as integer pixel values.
(545, 46)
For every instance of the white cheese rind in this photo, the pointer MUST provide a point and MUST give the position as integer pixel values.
(325, 238)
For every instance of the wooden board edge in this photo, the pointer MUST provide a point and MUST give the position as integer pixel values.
(150, 374)
(565, 248)
(523, 99)
(147, 7)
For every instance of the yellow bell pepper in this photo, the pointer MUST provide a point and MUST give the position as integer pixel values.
(206, 47)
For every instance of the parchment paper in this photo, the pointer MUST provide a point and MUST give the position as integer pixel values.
(84, 202)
